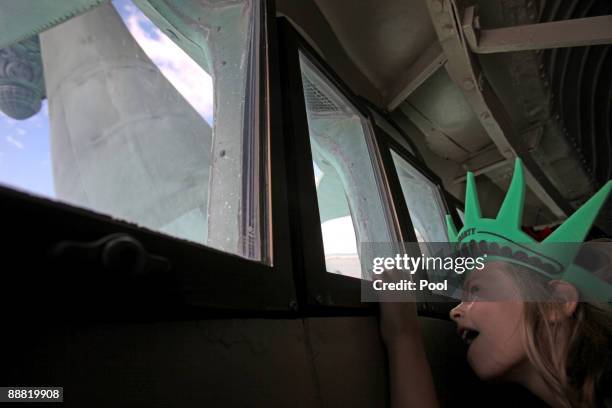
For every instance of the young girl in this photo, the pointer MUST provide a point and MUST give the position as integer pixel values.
(559, 348)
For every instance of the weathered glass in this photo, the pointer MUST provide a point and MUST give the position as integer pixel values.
(139, 110)
(350, 205)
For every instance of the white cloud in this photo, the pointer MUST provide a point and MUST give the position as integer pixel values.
(128, 7)
(8, 120)
(21, 131)
(14, 142)
(189, 79)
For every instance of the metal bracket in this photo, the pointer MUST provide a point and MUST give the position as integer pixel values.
(116, 252)
(464, 69)
(556, 34)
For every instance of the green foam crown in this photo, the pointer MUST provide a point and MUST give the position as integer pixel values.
(551, 257)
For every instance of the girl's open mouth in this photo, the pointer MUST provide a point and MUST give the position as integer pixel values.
(468, 335)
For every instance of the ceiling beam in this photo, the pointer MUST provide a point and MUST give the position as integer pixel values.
(425, 66)
(485, 169)
(464, 69)
(557, 34)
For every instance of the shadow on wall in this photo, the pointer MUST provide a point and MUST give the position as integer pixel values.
(318, 362)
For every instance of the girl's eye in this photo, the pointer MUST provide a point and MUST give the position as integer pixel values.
(473, 291)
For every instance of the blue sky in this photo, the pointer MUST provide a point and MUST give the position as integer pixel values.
(25, 158)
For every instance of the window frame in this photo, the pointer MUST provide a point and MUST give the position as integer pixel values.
(437, 305)
(202, 281)
(321, 292)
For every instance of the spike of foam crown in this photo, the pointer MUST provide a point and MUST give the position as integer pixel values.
(505, 230)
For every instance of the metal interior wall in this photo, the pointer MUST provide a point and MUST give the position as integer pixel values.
(564, 93)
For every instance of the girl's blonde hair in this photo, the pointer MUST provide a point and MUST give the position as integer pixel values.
(572, 355)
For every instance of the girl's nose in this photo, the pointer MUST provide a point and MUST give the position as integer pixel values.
(457, 312)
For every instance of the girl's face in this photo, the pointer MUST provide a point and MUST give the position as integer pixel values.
(489, 321)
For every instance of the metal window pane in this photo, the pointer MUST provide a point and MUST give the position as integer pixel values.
(144, 110)
(350, 206)
(428, 216)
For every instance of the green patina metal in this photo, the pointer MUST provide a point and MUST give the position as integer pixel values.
(26, 18)
(22, 85)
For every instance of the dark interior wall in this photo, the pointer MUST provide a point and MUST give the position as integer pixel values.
(316, 362)
(214, 363)
(313, 362)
